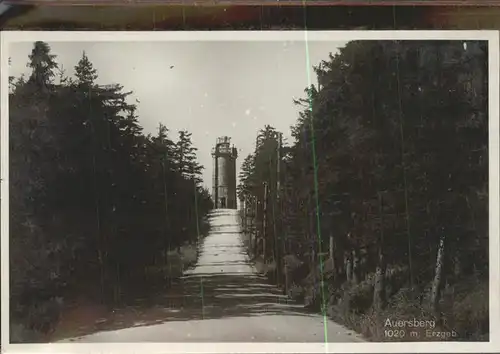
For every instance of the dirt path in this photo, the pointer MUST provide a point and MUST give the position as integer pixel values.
(222, 299)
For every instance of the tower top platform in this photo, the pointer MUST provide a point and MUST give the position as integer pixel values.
(223, 147)
(223, 140)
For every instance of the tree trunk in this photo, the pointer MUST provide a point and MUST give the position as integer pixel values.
(457, 265)
(263, 250)
(117, 287)
(348, 266)
(331, 248)
(438, 277)
(379, 295)
(355, 266)
(166, 237)
(339, 264)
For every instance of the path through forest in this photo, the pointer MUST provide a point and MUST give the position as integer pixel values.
(223, 299)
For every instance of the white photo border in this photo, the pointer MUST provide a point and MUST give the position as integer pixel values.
(8, 37)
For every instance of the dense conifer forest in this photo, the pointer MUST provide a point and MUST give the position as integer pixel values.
(96, 205)
(378, 208)
(375, 211)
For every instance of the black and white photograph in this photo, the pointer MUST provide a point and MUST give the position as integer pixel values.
(279, 189)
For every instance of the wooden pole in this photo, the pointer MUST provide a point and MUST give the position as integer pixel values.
(277, 221)
(256, 237)
(278, 167)
(166, 238)
(264, 222)
(216, 179)
(245, 202)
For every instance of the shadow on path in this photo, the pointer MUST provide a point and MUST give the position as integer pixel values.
(228, 295)
(223, 285)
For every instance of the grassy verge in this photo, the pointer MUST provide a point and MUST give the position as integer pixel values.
(464, 311)
(82, 316)
(179, 260)
(464, 314)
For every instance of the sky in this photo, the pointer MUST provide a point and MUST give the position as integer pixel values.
(213, 89)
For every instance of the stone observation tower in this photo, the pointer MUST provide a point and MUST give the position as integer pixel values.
(224, 174)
